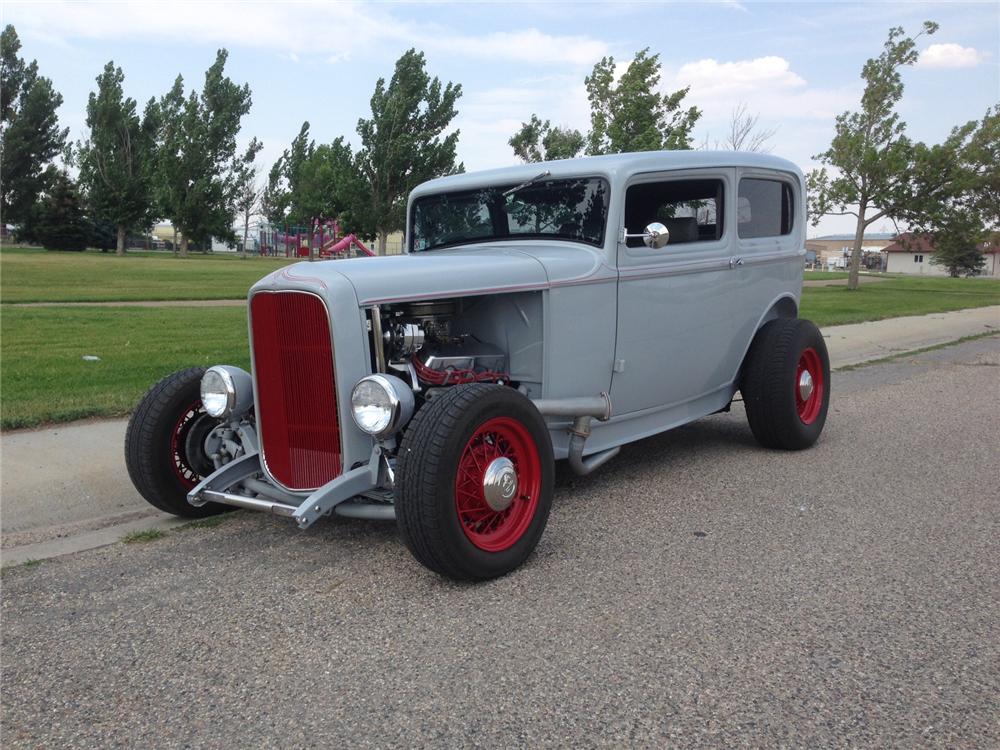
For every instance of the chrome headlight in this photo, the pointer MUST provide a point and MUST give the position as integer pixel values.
(226, 391)
(381, 404)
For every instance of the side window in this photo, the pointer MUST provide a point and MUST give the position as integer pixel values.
(691, 209)
(764, 208)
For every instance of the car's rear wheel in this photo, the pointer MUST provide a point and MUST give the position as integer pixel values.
(786, 384)
(165, 444)
(474, 481)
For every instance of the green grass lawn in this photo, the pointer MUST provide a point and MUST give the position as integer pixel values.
(895, 297)
(825, 275)
(44, 377)
(28, 275)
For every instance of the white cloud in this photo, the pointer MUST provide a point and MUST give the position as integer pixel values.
(529, 45)
(767, 85)
(335, 29)
(949, 56)
(712, 78)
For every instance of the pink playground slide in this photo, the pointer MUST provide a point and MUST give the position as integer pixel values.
(343, 245)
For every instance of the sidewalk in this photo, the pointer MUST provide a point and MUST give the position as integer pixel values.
(862, 342)
(65, 488)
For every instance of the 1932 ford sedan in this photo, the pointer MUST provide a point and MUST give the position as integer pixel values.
(541, 312)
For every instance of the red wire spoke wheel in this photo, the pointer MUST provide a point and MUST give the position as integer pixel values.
(187, 437)
(786, 384)
(474, 476)
(497, 484)
(165, 444)
(809, 386)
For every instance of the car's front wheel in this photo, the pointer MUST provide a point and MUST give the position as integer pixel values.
(474, 481)
(165, 444)
(786, 384)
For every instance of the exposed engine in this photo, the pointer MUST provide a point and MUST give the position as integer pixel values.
(419, 338)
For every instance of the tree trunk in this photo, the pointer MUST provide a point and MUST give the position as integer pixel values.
(174, 248)
(246, 231)
(120, 249)
(184, 246)
(383, 241)
(859, 237)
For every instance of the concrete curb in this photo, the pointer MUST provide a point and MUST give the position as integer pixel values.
(86, 541)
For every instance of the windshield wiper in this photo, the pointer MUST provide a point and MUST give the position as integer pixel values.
(523, 185)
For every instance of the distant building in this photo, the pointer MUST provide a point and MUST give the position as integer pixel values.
(911, 254)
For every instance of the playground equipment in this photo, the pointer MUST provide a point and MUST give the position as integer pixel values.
(322, 238)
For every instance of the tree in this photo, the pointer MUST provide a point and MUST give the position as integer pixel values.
(57, 219)
(630, 115)
(957, 246)
(403, 142)
(30, 137)
(277, 196)
(874, 158)
(196, 155)
(116, 161)
(539, 141)
(969, 213)
(745, 133)
(627, 115)
(247, 191)
(316, 182)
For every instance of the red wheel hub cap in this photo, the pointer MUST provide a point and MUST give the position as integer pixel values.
(809, 385)
(497, 485)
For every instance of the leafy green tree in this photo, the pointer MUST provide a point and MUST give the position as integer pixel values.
(403, 142)
(277, 196)
(627, 115)
(873, 157)
(116, 161)
(57, 220)
(316, 182)
(948, 188)
(631, 115)
(30, 136)
(968, 213)
(197, 157)
(539, 141)
(957, 246)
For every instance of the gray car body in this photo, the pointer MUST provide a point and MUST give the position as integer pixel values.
(663, 331)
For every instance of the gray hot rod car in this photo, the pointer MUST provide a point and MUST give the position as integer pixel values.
(542, 312)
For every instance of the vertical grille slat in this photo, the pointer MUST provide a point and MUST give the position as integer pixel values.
(296, 391)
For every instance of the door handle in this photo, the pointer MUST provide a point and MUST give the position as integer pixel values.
(734, 262)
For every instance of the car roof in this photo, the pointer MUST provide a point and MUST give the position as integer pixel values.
(613, 167)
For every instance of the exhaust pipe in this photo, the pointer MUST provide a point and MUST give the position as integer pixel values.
(583, 410)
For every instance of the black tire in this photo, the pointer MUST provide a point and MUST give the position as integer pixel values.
(778, 416)
(427, 466)
(150, 454)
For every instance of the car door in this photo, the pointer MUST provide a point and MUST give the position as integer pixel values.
(676, 304)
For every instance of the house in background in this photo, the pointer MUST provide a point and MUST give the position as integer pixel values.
(911, 254)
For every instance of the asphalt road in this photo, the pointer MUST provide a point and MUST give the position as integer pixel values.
(698, 591)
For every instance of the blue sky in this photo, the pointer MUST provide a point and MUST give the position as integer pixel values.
(796, 64)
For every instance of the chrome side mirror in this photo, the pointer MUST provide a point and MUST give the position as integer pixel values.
(655, 236)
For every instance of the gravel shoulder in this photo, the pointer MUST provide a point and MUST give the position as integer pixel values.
(696, 591)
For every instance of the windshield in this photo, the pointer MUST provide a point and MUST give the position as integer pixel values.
(573, 209)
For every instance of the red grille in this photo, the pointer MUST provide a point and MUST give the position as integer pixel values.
(296, 392)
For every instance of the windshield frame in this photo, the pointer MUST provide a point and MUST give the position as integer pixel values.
(499, 188)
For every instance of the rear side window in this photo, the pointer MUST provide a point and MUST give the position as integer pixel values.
(765, 208)
(691, 209)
